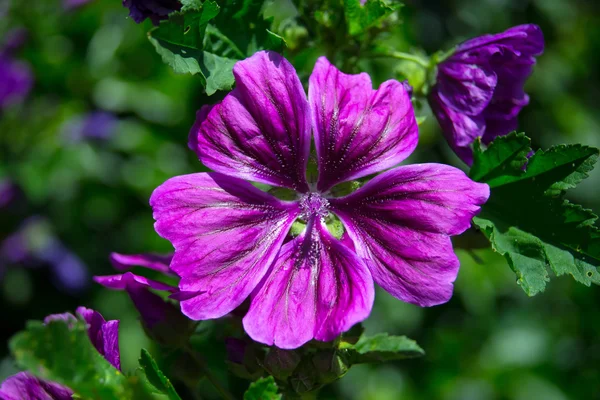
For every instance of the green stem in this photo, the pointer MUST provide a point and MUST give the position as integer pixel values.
(224, 393)
(399, 55)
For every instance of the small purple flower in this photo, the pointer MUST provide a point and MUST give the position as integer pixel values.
(479, 89)
(95, 126)
(34, 244)
(16, 81)
(24, 386)
(231, 239)
(156, 10)
(103, 334)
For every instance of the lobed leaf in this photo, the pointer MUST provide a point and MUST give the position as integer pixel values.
(528, 221)
(62, 352)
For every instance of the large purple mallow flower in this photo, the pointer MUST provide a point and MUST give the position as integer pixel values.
(156, 10)
(24, 386)
(479, 89)
(232, 241)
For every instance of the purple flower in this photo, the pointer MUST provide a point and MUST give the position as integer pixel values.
(479, 89)
(16, 81)
(231, 239)
(24, 386)
(156, 10)
(34, 244)
(103, 334)
(97, 125)
(16, 78)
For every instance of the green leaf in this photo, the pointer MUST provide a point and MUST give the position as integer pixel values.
(263, 389)
(361, 17)
(63, 353)
(381, 348)
(206, 39)
(156, 377)
(526, 218)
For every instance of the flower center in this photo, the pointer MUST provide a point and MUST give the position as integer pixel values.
(313, 205)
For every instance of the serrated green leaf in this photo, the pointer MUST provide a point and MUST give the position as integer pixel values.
(361, 17)
(206, 39)
(381, 348)
(527, 220)
(63, 353)
(263, 389)
(156, 377)
(503, 159)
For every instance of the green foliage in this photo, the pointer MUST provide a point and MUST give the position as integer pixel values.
(206, 39)
(381, 348)
(262, 389)
(361, 17)
(63, 353)
(156, 377)
(526, 218)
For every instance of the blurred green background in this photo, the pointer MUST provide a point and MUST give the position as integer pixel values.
(83, 187)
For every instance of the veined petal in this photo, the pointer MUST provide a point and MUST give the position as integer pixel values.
(157, 262)
(358, 130)
(261, 130)
(401, 222)
(317, 288)
(226, 234)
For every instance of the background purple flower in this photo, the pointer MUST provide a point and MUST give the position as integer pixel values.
(95, 126)
(479, 90)
(156, 10)
(16, 78)
(24, 386)
(231, 239)
(34, 245)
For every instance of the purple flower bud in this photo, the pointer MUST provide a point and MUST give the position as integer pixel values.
(156, 10)
(162, 320)
(236, 349)
(479, 89)
(103, 334)
(24, 386)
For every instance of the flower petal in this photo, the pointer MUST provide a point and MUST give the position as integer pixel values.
(459, 129)
(400, 223)
(526, 40)
(24, 386)
(465, 87)
(317, 288)
(261, 130)
(358, 130)
(103, 334)
(226, 234)
(121, 282)
(157, 262)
